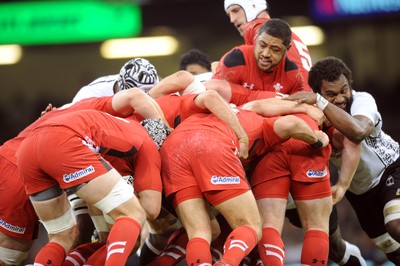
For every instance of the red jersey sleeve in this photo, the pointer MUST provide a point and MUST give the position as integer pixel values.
(103, 104)
(188, 106)
(231, 65)
(170, 105)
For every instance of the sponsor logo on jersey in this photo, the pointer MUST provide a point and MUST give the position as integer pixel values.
(68, 178)
(390, 181)
(215, 180)
(12, 228)
(90, 143)
(128, 179)
(316, 174)
(250, 86)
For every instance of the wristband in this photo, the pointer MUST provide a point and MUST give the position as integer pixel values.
(321, 103)
(317, 144)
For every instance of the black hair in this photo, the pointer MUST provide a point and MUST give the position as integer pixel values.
(329, 69)
(195, 56)
(277, 28)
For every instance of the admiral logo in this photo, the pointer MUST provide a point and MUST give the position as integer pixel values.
(215, 180)
(12, 228)
(68, 178)
(316, 174)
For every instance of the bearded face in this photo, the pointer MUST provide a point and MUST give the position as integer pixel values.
(338, 92)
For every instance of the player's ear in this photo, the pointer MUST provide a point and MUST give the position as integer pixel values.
(288, 47)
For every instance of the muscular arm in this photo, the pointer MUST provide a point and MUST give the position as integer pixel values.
(355, 128)
(212, 101)
(176, 82)
(350, 159)
(276, 107)
(136, 100)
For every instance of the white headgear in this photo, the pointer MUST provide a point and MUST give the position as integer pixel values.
(137, 72)
(251, 7)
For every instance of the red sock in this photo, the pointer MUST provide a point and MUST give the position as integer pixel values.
(175, 251)
(198, 252)
(271, 248)
(98, 258)
(238, 244)
(121, 241)
(315, 248)
(51, 254)
(81, 254)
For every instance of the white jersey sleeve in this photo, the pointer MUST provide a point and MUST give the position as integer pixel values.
(378, 150)
(204, 76)
(364, 104)
(103, 86)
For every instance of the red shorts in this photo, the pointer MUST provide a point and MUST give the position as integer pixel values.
(17, 216)
(280, 188)
(203, 159)
(290, 163)
(213, 197)
(57, 155)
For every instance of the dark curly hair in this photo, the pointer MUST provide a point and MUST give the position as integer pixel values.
(329, 69)
(195, 56)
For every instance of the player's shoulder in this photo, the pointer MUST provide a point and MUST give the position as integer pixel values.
(237, 56)
(362, 95)
(104, 79)
(290, 65)
(363, 99)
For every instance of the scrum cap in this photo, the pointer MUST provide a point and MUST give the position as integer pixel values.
(139, 73)
(251, 7)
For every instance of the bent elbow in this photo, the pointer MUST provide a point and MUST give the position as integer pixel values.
(357, 136)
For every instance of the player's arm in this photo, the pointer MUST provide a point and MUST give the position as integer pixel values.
(212, 101)
(290, 126)
(356, 128)
(176, 82)
(126, 102)
(276, 107)
(350, 159)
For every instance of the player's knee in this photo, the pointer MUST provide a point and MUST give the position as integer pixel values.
(392, 218)
(393, 228)
(63, 229)
(386, 244)
(12, 256)
(120, 194)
